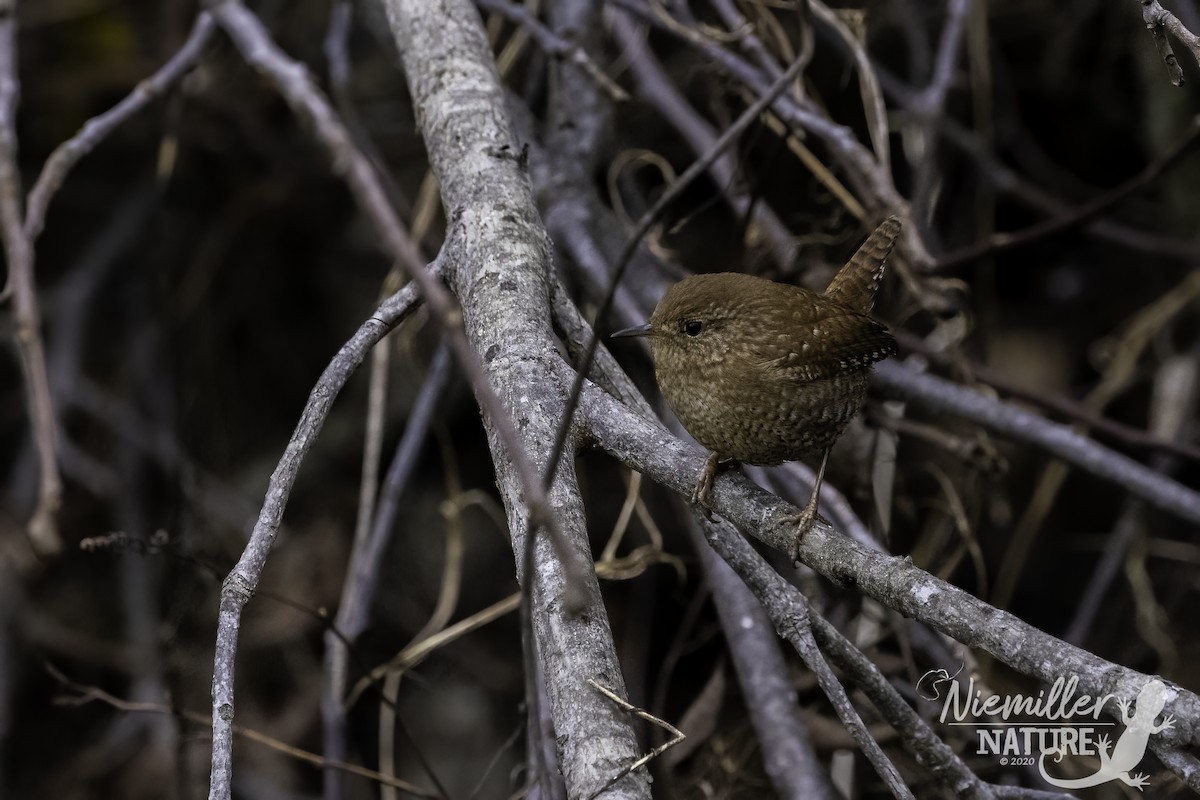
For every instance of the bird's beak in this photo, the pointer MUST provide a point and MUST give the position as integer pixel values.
(637, 330)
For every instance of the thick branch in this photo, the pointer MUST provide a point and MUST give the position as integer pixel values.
(294, 84)
(1159, 22)
(502, 276)
(893, 581)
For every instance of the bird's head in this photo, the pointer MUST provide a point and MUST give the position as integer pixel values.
(703, 316)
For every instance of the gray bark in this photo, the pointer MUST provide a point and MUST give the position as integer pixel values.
(500, 269)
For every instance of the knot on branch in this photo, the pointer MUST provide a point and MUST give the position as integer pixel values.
(237, 587)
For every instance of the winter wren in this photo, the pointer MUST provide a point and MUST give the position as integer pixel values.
(763, 372)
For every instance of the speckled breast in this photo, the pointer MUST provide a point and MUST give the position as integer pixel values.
(764, 421)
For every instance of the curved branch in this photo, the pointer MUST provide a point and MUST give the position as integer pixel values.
(95, 130)
(239, 586)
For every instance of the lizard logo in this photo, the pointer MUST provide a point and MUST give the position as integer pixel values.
(1130, 748)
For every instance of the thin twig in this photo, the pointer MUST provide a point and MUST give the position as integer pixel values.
(1003, 242)
(558, 47)
(677, 736)
(930, 107)
(419, 650)
(389, 506)
(97, 129)
(366, 559)
(337, 54)
(943, 396)
(87, 694)
(242, 581)
(873, 105)
(1175, 389)
(27, 330)
(697, 168)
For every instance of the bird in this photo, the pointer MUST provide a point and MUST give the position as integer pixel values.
(760, 372)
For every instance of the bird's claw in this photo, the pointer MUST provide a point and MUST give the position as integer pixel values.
(804, 522)
(702, 493)
(808, 515)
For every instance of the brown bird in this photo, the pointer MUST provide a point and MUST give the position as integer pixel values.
(762, 372)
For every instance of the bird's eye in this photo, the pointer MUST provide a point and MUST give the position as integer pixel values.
(693, 327)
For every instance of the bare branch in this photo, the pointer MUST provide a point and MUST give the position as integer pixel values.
(1160, 22)
(556, 46)
(502, 270)
(239, 586)
(1002, 242)
(785, 604)
(460, 175)
(367, 557)
(797, 630)
(97, 129)
(931, 107)
(943, 396)
(788, 755)
(893, 581)
(18, 249)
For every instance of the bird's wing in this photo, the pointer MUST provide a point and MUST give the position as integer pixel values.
(837, 342)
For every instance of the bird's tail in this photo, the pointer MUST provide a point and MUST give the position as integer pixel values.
(856, 283)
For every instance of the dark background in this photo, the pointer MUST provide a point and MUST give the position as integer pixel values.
(200, 268)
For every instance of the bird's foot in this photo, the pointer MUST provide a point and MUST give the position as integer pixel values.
(804, 522)
(808, 515)
(702, 493)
